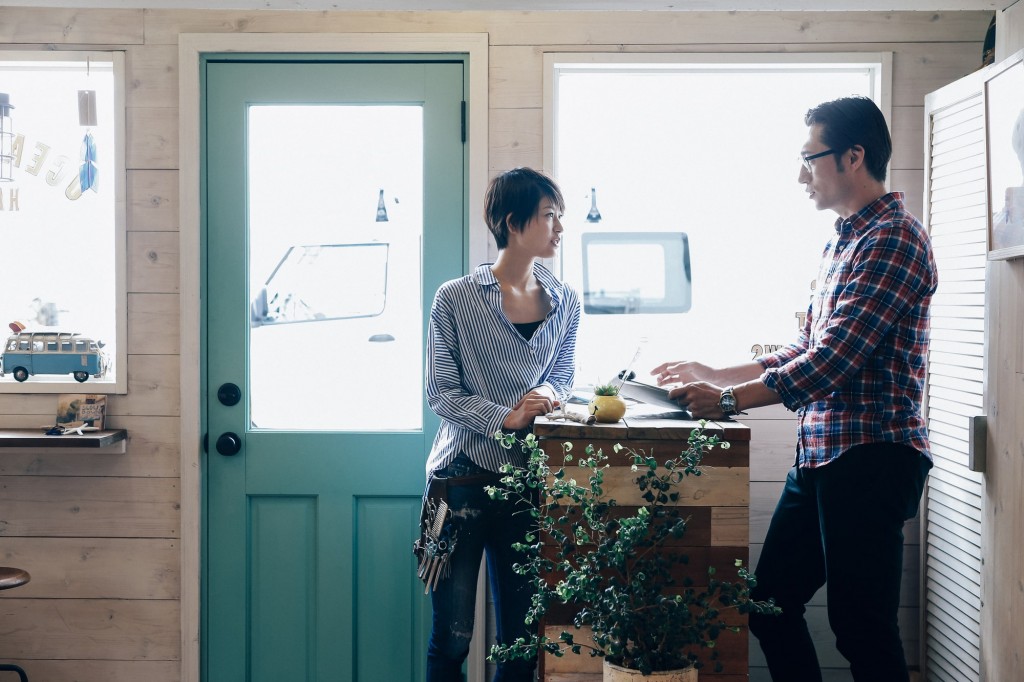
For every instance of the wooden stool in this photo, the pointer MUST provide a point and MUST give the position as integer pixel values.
(9, 579)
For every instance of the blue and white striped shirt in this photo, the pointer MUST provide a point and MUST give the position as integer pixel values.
(479, 366)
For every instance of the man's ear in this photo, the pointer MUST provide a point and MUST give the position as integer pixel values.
(856, 156)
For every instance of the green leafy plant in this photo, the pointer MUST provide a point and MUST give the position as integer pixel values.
(615, 570)
(606, 389)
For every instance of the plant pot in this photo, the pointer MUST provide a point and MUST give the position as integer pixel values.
(613, 673)
(607, 409)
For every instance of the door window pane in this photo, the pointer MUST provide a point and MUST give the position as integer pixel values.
(335, 223)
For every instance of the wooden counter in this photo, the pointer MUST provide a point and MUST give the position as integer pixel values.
(717, 505)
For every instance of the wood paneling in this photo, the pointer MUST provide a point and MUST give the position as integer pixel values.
(131, 630)
(71, 26)
(153, 324)
(152, 200)
(153, 387)
(516, 139)
(153, 262)
(152, 138)
(152, 74)
(95, 568)
(93, 507)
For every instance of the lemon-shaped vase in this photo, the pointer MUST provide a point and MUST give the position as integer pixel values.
(607, 409)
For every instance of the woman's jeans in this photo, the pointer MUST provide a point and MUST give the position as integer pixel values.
(840, 525)
(484, 526)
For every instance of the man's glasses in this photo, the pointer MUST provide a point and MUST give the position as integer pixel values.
(811, 157)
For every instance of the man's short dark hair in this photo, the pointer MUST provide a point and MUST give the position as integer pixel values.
(512, 199)
(850, 121)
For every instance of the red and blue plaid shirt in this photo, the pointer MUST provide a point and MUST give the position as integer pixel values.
(856, 373)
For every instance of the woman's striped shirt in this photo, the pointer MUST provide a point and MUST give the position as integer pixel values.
(479, 366)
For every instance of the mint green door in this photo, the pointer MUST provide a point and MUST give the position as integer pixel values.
(334, 206)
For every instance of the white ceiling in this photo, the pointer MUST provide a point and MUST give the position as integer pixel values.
(525, 5)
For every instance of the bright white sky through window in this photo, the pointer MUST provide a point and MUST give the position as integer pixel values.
(712, 152)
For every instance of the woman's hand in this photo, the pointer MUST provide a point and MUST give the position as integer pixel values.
(682, 372)
(534, 404)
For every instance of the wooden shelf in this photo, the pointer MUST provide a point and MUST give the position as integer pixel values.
(36, 438)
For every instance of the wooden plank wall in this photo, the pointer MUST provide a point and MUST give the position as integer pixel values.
(1002, 627)
(101, 533)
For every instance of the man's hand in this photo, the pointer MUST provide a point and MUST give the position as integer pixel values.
(535, 403)
(682, 372)
(700, 398)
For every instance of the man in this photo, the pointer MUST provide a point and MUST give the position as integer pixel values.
(855, 377)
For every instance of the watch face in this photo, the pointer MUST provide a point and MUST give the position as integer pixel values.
(727, 403)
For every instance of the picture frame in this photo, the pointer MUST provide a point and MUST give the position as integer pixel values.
(1004, 142)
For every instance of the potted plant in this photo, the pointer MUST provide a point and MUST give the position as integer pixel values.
(607, 405)
(618, 572)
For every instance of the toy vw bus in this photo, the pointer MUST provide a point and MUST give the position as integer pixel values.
(29, 353)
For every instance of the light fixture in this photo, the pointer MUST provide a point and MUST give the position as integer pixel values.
(594, 216)
(382, 211)
(6, 138)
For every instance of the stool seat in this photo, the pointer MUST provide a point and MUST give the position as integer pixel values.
(13, 577)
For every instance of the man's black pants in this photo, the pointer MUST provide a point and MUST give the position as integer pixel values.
(841, 525)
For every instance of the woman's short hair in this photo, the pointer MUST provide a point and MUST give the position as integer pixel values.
(512, 199)
(850, 121)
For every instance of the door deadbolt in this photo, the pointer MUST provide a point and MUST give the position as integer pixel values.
(229, 394)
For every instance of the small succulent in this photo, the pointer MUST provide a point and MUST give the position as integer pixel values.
(607, 389)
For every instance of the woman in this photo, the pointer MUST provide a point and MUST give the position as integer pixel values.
(500, 351)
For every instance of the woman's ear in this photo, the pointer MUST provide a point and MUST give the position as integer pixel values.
(509, 224)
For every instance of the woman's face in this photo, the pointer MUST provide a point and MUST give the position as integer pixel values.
(542, 234)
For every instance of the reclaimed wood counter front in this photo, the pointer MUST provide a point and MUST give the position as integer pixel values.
(717, 505)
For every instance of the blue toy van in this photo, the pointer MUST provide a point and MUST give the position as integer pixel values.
(29, 353)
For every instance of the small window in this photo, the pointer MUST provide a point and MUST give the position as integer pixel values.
(636, 272)
(62, 192)
(65, 346)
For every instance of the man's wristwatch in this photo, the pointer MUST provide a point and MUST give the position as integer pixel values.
(727, 403)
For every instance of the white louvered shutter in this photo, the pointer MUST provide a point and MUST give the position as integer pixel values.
(955, 207)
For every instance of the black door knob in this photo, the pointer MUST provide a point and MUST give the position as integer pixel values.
(229, 444)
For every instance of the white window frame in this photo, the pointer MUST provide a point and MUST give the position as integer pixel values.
(118, 183)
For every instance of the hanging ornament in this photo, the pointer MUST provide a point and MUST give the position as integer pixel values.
(594, 216)
(88, 174)
(382, 211)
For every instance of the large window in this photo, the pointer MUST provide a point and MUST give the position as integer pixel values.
(62, 221)
(700, 152)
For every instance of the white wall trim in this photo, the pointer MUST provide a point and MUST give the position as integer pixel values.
(191, 48)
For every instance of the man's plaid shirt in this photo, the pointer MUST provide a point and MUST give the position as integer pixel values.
(856, 373)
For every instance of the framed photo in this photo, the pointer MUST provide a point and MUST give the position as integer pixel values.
(1004, 135)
